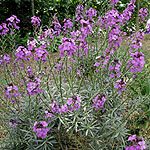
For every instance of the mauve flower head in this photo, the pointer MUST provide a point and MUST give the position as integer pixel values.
(137, 64)
(4, 29)
(68, 45)
(120, 85)
(74, 103)
(67, 24)
(79, 12)
(99, 101)
(48, 114)
(13, 21)
(35, 21)
(142, 145)
(22, 53)
(40, 129)
(90, 13)
(31, 43)
(86, 27)
(40, 54)
(143, 13)
(113, 2)
(132, 138)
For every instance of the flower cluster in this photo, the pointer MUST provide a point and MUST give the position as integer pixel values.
(90, 13)
(11, 93)
(137, 64)
(113, 2)
(4, 59)
(3, 29)
(23, 53)
(13, 21)
(120, 85)
(139, 144)
(67, 45)
(14, 122)
(67, 25)
(40, 129)
(148, 27)
(115, 68)
(33, 83)
(86, 27)
(57, 26)
(127, 13)
(40, 54)
(35, 21)
(136, 39)
(143, 13)
(99, 101)
(72, 104)
(79, 12)
(31, 43)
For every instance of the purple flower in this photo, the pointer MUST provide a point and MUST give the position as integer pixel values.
(40, 129)
(67, 25)
(31, 43)
(40, 54)
(137, 63)
(13, 21)
(35, 21)
(132, 138)
(96, 64)
(67, 45)
(74, 103)
(142, 145)
(120, 85)
(99, 101)
(3, 29)
(22, 53)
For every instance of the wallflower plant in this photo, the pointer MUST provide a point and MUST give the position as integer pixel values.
(81, 99)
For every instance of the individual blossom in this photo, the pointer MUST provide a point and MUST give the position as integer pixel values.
(48, 114)
(99, 101)
(40, 129)
(115, 68)
(54, 108)
(120, 85)
(63, 109)
(4, 59)
(33, 88)
(35, 21)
